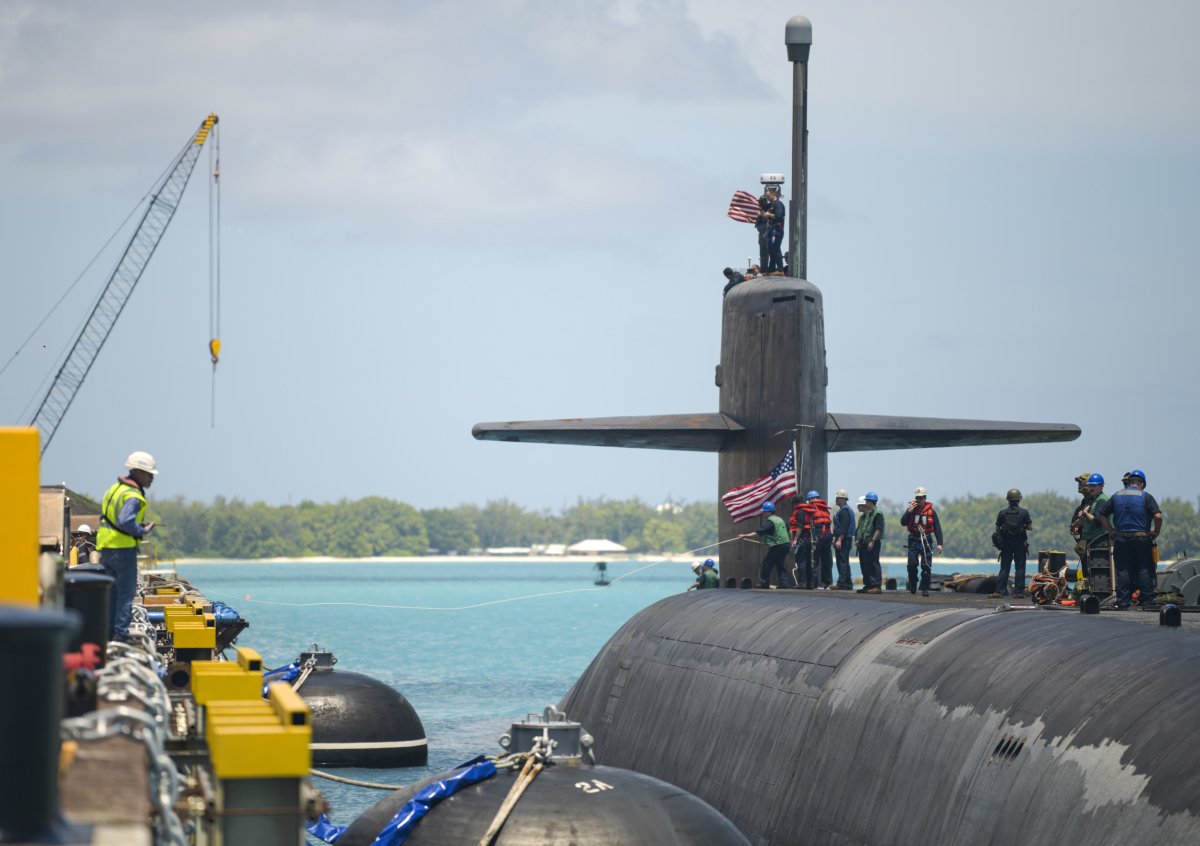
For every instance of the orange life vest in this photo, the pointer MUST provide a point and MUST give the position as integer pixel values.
(822, 520)
(921, 519)
(801, 518)
(812, 517)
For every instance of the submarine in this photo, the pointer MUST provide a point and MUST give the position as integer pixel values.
(772, 379)
(852, 719)
(890, 719)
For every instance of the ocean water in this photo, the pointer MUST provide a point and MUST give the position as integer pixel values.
(468, 669)
(473, 645)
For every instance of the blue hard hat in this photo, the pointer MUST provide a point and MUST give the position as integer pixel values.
(1136, 474)
(708, 562)
(872, 496)
(768, 506)
(1095, 479)
(813, 495)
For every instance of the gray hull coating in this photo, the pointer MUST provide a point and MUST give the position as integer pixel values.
(811, 719)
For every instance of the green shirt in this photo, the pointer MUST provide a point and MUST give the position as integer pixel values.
(709, 579)
(777, 532)
(868, 524)
(1093, 529)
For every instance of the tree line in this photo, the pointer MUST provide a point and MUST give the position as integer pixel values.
(376, 526)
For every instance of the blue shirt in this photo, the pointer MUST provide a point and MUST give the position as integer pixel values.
(1130, 510)
(127, 519)
(843, 522)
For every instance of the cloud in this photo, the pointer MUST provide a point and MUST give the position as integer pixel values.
(375, 110)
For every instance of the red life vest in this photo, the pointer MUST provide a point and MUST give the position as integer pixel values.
(921, 518)
(801, 518)
(822, 520)
(812, 517)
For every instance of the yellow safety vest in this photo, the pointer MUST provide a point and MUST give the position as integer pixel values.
(109, 536)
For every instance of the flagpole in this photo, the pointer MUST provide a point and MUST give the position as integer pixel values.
(799, 459)
(799, 455)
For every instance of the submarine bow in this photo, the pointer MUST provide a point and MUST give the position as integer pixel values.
(830, 720)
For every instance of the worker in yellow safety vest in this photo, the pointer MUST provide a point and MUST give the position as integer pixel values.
(122, 512)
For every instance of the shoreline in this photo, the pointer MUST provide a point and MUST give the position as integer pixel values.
(533, 559)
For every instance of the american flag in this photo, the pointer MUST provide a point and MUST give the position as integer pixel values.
(746, 501)
(743, 207)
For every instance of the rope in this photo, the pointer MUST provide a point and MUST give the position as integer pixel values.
(533, 766)
(88, 267)
(355, 782)
(478, 604)
(305, 673)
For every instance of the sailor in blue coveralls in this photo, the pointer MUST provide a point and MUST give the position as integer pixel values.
(1134, 520)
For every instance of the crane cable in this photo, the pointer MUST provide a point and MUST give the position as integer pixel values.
(100, 252)
(214, 264)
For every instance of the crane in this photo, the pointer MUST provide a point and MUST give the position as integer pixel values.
(165, 197)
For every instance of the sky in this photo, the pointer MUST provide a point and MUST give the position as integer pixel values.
(440, 213)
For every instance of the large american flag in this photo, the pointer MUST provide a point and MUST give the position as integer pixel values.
(743, 207)
(746, 501)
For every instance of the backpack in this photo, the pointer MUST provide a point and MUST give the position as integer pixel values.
(1013, 523)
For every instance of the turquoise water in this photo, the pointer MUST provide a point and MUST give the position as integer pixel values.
(467, 672)
(469, 667)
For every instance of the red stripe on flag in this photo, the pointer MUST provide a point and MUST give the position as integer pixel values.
(746, 501)
(743, 207)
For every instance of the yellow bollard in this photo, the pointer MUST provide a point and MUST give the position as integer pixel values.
(19, 504)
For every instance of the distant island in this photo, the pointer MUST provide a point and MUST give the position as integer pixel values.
(376, 527)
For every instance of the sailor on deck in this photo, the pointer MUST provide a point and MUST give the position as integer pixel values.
(774, 533)
(923, 528)
(843, 539)
(1134, 520)
(706, 576)
(868, 536)
(1013, 525)
(770, 230)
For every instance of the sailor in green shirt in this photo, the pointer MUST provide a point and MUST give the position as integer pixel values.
(1092, 526)
(1093, 537)
(868, 536)
(706, 576)
(774, 533)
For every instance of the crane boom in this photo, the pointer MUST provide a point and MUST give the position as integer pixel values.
(163, 202)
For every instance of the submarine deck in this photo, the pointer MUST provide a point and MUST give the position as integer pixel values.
(1189, 619)
(897, 718)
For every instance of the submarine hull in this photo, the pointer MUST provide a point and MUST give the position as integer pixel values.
(832, 720)
(566, 805)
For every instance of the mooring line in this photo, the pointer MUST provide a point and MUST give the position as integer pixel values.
(690, 552)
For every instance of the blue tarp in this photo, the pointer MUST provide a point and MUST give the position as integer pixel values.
(406, 819)
(287, 673)
(325, 830)
(221, 612)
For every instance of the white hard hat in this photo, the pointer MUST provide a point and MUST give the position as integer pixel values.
(142, 461)
(84, 529)
(862, 500)
(843, 493)
(696, 566)
(919, 492)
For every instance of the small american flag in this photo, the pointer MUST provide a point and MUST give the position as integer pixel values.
(743, 207)
(746, 501)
